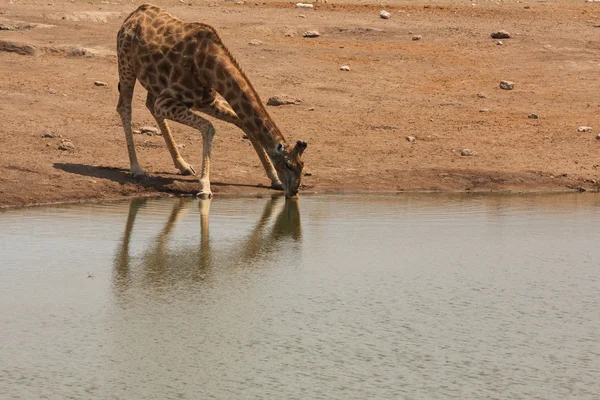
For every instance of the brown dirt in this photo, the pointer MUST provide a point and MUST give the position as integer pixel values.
(397, 87)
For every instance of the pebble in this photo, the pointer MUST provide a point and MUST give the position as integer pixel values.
(499, 43)
(180, 146)
(507, 85)
(311, 34)
(584, 129)
(308, 174)
(484, 110)
(303, 5)
(48, 134)
(98, 83)
(344, 68)
(500, 35)
(66, 144)
(149, 130)
(482, 95)
(527, 7)
(255, 42)
(598, 136)
(311, 109)
(417, 37)
(52, 91)
(282, 99)
(411, 139)
(466, 152)
(384, 14)
(533, 116)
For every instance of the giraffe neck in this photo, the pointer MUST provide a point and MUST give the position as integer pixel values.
(235, 87)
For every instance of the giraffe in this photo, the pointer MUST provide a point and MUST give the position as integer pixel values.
(184, 67)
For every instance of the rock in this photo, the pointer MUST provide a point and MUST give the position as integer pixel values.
(308, 174)
(136, 132)
(302, 16)
(52, 91)
(149, 130)
(303, 5)
(507, 85)
(417, 37)
(311, 109)
(411, 139)
(66, 144)
(533, 116)
(467, 152)
(499, 43)
(527, 7)
(500, 35)
(311, 34)
(98, 83)
(282, 99)
(598, 136)
(255, 42)
(48, 134)
(484, 110)
(384, 14)
(584, 129)
(344, 68)
(482, 95)
(180, 146)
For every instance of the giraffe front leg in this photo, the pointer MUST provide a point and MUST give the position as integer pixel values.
(167, 107)
(178, 161)
(221, 110)
(124, 110)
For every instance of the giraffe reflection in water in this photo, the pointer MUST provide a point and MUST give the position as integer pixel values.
(161, 264)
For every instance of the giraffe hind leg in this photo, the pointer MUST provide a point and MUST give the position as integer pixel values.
(126, 86)
(178, 161)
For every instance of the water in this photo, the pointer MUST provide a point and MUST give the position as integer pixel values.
(331, 297)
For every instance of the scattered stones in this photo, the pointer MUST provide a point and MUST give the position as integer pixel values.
(499, 43)
(484, 110)
(344, 68)
(533, 116)
(311, 34)
(255, 42)
(384, 14)
(500, 35)
(52, 91)
(417, 37)
(48, 134)
(99, 83)
(584, 129)
(303, 5)
(282, 99)
(66, 144)
(467, 153)
(411, 139)
(507, 85)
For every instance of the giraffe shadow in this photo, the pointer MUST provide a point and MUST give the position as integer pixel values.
(170, 184)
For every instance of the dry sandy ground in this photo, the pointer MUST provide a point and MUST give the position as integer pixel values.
(432, 89)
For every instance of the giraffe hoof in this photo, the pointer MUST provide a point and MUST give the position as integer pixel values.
(205, 195)
(140, 176)
(187, 171)
(276, 185)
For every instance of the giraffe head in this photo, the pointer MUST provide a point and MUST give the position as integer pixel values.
(288, 165)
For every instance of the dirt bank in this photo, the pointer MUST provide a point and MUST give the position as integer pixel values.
(442, 90)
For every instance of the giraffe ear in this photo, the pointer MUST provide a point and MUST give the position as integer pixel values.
(300, 147)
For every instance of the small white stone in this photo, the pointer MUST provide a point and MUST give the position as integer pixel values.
(466, 152)
(384, 14)
(499, 43)
(311, 34)
(507, 85)
(417, 37)
(52, 91)
(411, 139)
(533, 116)
(303, 5)
(344, 68)
(255, 42)
(484, 110)
(584, 129)
(98, 83)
